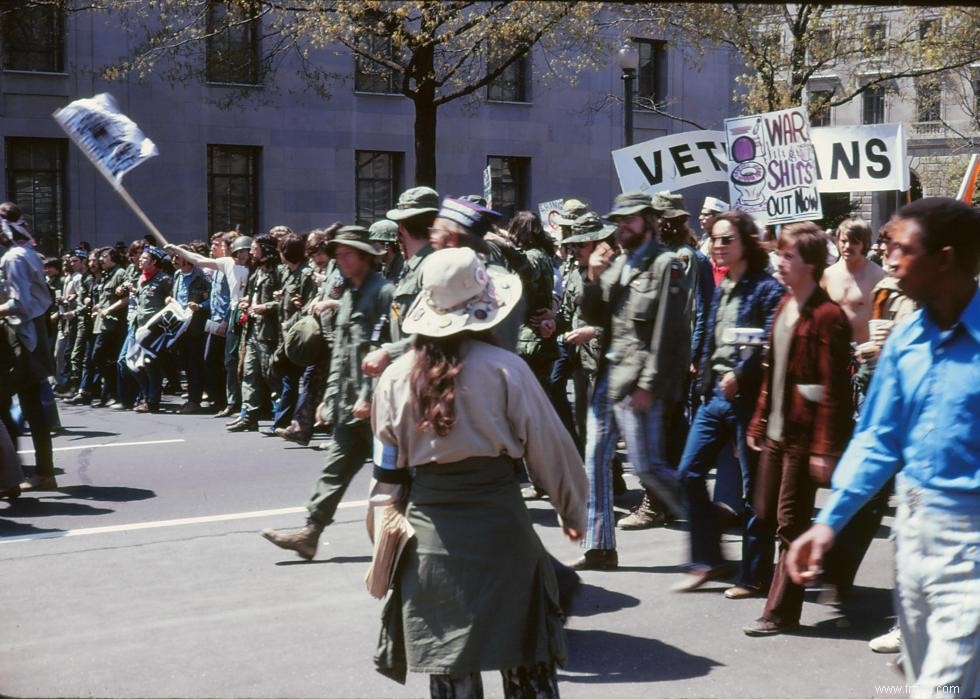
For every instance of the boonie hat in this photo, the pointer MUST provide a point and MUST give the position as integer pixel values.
(571, 209)
(460, 293)
(631, 203)
(413, 202)
(383, 231)
(669, 204)
(357, 237)
(476, 219)
(715, 205)
(587, 229)
(474, 198)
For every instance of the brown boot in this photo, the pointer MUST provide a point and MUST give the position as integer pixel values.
(302, 542)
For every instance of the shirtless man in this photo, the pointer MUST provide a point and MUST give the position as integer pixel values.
(849, 281)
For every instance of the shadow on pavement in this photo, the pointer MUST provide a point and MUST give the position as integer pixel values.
(591, 600)
(107, 493)
(317, 561)
(10, 529)
(867, 613)
(47, 506)
(76, 433)
(608, 657)
(544, 517)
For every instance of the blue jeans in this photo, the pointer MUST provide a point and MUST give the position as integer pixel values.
(288, 396)
(644, 437)
(715, 425)
(562, 370)
(937, 588)
(127, 388)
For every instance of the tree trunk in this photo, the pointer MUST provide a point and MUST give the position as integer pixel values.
(425, 142)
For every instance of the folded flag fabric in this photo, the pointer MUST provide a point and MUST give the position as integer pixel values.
(108, 137)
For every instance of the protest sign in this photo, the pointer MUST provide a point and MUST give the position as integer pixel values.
(112, 141)
(870, 158)
(488, 187)
(672, 162)
(548, 210)
(773, 170)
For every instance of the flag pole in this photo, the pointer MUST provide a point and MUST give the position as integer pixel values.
(154, 231)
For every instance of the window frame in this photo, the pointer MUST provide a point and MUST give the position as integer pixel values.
(934, 104)
(393, 182)
(520, 183)
(877, 92)
(254, 67)
(254, 159)
(876, 40)
(56, 27)
(520, 83)
(827, 116)
(658, 75)
(392, 77)
(49, 244)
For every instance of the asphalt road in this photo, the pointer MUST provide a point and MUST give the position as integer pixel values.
(144, 576)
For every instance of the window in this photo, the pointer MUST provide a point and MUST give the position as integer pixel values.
(233, 189)
(33, 39)
(875, 34)
(873, 105)
(928, 99)
(651, 83)
(509, 178)
(233, 43)
(821, 46)
(511, 85)
(929, 29)
(374, 77)
(820, 107)
(976, 94)
(377, 183)
(36, 181)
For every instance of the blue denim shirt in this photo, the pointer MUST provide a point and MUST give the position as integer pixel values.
(920, 416)
(220, 298)
(760, 296)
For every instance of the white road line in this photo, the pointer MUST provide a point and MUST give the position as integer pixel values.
(116, 444)
(170, 523)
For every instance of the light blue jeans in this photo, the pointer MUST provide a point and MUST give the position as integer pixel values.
(644, 436)
(938, 589)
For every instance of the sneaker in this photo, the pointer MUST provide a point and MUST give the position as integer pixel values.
(533, 492)
(142, 407)
(890, 642)
(39, 483)
(120, 406)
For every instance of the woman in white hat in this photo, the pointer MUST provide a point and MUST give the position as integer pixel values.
(475, 590)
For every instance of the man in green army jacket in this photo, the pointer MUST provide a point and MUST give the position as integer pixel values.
(152, 289)
(261, 333)
(361, 324)
(415, 213)
(639, 301)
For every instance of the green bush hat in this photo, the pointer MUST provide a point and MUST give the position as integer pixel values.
(670, 205)
(415, 201)
(630, 204)
(383, 231)
(588, 229)
(571, 209)
(357, 237)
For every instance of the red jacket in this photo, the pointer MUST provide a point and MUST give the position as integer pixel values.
(820, 353)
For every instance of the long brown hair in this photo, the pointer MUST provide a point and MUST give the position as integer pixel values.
(432, 380)
(748, 233)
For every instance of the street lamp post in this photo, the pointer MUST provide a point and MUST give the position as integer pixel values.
(629, 61)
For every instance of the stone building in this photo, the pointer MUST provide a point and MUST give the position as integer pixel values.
(282, 155)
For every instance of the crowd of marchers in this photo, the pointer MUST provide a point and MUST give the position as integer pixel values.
(745, 352)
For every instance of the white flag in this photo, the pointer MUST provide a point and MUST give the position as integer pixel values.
(111, 140)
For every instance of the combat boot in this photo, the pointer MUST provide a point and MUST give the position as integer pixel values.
(302, 542)
(643, 516)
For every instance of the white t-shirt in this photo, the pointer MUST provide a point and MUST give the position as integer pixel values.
(237, 276)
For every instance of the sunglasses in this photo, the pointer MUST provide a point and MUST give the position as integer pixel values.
(722, 239)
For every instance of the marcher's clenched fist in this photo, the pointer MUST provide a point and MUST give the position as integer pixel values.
(362, 409)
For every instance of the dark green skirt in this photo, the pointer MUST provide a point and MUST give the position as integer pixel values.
(475, 589)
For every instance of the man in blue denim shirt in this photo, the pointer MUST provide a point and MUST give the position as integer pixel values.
(920, 422)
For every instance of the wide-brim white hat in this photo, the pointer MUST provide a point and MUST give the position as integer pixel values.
(460, 293)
